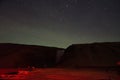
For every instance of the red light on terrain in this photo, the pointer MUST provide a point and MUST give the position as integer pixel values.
(118, 63)
(23, 72)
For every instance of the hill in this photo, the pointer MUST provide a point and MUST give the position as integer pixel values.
(20, 55)
(91, 55)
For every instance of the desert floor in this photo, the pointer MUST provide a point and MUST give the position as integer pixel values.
(58, 74)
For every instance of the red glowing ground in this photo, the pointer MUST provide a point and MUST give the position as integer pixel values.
(59, 74)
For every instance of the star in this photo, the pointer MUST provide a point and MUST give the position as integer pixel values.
(76, 1)
(66, 5)
(89, 7)
(61, 19)
(105, 8)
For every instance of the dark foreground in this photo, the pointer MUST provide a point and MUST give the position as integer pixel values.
(58, 74)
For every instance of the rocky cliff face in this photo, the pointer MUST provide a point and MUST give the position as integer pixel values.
(75, 56)
(18, 55)
(91, 55)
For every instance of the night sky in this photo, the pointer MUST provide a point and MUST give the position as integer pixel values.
(59, 23)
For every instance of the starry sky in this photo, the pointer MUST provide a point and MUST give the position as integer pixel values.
(59, 23)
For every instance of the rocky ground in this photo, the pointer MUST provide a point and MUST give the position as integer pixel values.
(58, 74)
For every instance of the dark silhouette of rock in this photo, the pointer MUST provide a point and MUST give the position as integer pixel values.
(91, 55)
(19, 55)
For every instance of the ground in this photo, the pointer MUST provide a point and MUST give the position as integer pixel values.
(58, 74)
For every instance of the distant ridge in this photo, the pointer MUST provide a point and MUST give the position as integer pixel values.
(22, 55)
(27, 45)
(106, 54)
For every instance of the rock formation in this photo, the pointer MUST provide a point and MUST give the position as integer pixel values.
(18, 55)
(91, 55)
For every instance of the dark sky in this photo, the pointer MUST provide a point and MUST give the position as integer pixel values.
(59, 23)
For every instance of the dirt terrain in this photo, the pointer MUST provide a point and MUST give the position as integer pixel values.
(58, 74)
